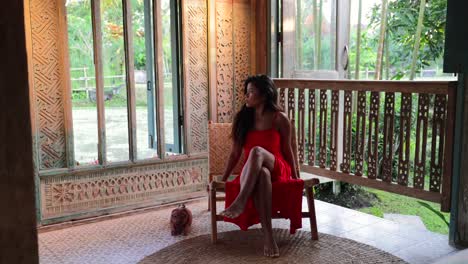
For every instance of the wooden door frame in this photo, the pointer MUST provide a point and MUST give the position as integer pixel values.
(289, 43)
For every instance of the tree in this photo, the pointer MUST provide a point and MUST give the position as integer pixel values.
(383, 24)
(358, 39)
(318, 26)
(401, 23)
(417, 39)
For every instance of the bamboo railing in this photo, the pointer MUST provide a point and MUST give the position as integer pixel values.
(364, 132)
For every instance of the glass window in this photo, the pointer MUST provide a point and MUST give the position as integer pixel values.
(83, 85)
(171, 76)
(115, 87)
(316, 34)
(116, 108)
(142, 19)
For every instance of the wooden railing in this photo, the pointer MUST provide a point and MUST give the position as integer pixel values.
(393, 136)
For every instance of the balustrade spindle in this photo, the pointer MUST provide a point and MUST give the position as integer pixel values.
(335, 101)
(389, 117)
(438, 139)
(312, 126)
(347, 131)
(405, 133)
(360, 132)
(291, 104)
(421, 141)
(323, 129)
(373, 152)
(301, 125)
(282, 102)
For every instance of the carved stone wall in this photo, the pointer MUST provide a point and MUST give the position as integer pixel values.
(232, 55)
(47, 65)
(196, 74)
(72, 194)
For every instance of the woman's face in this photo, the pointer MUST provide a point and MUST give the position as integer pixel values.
(253, 97)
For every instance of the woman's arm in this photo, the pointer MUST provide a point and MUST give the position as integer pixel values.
(234, 157)
(286, 148)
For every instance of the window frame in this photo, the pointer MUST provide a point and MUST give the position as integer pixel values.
(177, 80)
(157, 103)
(287, 40)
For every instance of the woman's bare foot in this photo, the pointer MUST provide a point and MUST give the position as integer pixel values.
(270, 249)
(232, 211)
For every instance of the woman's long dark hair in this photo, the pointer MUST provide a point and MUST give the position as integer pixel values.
(244, 120)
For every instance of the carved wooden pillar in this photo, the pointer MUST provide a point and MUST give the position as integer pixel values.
(18, 239)
(261, 36)
(459, 212)
(456, 61)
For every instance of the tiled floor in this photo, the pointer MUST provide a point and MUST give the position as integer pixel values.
(129, 239)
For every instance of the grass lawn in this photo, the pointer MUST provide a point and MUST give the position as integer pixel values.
(399, 204)
(79, 99)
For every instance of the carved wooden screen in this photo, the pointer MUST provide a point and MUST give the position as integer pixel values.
(51, 117)
(233, 60)
(196, 74)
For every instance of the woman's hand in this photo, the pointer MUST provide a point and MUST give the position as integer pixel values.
(286, 143)
(225, 177)
(296, 174)
(236, 152)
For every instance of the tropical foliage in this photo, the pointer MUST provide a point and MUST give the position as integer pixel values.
(315, 36)
(400, 37)
(80, 37)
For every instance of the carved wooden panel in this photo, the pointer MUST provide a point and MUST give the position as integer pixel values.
(301, 125)
(372, 151)
(323, 129)
(421, 145)
(241, 44)
(48, 82)
(347, 131)
(438, 139)
(65, 195)
(312, 125)
(224, 61)
(196, 74)
(360, 132)
(387, 155)
(335, 101)
(405, 133)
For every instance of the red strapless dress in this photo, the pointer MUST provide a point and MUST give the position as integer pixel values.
(286, 192)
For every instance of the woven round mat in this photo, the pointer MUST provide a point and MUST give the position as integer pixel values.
(247, 247)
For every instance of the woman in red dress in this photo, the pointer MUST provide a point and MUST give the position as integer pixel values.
(263, 131)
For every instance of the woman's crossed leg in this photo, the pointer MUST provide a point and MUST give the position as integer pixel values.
(255, 182)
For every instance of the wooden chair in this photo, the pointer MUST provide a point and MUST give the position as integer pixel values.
(219, 150)
(220, 144)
